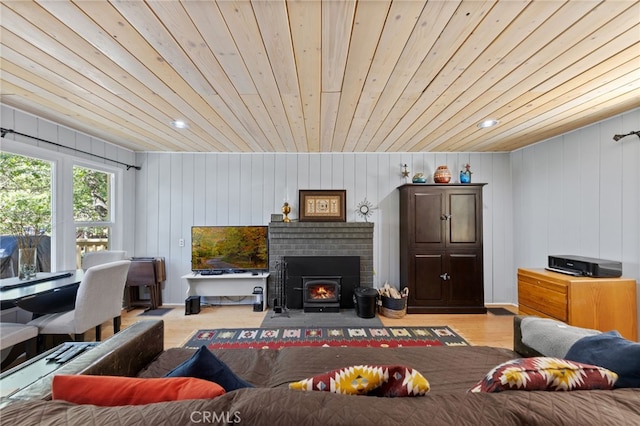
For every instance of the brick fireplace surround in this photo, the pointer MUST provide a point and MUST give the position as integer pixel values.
(321, 239)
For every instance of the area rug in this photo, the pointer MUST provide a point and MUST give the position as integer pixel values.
(299, 318)
(276, 338)
(155, 312)
(500, 311)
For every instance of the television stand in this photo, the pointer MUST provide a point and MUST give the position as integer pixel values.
(241, 284)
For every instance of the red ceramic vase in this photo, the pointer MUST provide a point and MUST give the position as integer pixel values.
(442, 175)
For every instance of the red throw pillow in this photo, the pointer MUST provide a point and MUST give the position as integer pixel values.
(111, 391)
(545, 374)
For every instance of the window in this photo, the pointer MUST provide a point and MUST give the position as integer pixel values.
(25, 203)
(83, 198)
(92, 210)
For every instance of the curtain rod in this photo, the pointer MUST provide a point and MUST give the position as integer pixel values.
(618, 137)
(5, 131)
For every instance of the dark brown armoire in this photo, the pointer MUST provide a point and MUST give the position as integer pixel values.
(441, 247)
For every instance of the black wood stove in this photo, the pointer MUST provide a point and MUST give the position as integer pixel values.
(321, 294)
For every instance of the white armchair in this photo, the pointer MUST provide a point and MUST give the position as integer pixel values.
(94, 258)
(99, 299)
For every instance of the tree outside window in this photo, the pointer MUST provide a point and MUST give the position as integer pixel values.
(26, 209)
(90, 195)
(25, 203)
(91, 210)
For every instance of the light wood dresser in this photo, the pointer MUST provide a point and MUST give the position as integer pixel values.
(599, 303)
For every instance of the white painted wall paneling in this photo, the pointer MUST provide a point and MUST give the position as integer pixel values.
(177, 191)
(579, 194)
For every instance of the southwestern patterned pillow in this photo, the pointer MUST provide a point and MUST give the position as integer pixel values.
(546, 374)
(372, 380)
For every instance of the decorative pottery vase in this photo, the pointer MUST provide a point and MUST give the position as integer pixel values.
(465, 174)
(442, 175)
(419, 178)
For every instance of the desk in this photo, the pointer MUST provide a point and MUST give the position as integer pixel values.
(45, 295)
(226, 284)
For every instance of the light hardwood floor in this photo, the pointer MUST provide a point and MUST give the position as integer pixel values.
(478, 330)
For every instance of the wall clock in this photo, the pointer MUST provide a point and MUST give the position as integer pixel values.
(364, 209)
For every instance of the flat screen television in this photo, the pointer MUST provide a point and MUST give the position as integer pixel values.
(229, 249)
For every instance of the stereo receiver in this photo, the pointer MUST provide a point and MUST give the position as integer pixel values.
(585, 266)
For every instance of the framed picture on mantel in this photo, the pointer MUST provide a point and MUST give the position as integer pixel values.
(323, 205)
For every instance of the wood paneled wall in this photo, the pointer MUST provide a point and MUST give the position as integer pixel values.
(176, 190)
(580, 194)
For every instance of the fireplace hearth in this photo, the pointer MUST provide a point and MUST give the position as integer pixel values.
(321, 294)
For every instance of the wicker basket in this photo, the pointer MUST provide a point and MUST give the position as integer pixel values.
(394, 308)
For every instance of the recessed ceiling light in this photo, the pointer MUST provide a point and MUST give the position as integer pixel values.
(490, 122)
(179, 124)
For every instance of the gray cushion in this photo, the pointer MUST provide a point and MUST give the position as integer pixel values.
(550, 337)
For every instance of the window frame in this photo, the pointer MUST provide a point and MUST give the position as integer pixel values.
(63, 225)
(112, 194)
(109, 224)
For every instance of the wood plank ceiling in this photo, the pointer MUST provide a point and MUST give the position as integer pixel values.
(321, 76)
